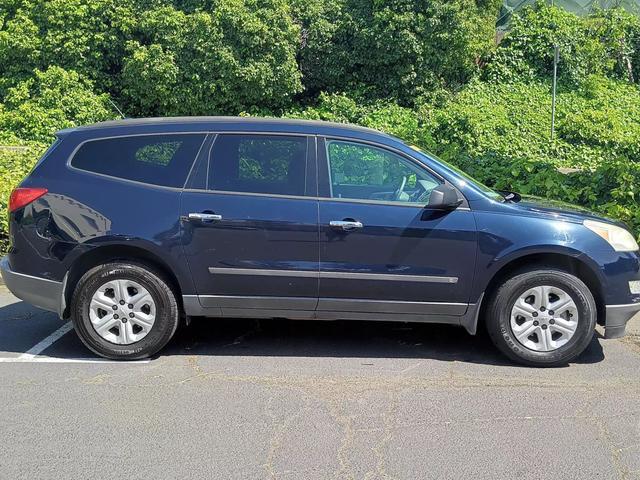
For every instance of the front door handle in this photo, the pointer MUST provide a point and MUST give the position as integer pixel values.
(204, 217)
(346, 225)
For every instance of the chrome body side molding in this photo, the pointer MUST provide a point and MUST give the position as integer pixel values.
(399, 277)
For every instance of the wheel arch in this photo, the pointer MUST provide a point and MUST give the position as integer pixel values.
(114, 252)
(564, 261)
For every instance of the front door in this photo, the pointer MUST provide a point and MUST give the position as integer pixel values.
(250, 232)
(381, 250)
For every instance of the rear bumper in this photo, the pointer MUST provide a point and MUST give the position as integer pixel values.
(617, 317)
(40, 292)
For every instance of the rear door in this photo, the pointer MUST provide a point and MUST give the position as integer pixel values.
(250, 228)
(381, 250)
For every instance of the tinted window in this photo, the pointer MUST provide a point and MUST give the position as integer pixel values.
(157, 159)
(365, 172)
(259, 164)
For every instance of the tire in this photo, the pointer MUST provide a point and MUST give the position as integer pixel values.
(538, 349)
(158, 311)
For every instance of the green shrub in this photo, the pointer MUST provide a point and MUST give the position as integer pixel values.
(86, 36)
(239, 55)
(604, 43)
(396, 50)
(49, 101)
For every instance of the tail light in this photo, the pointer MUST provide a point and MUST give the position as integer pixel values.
(21, 197)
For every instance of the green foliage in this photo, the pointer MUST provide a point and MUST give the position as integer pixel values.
(389, 117)
(602, 114)
(366, 165)
(35, 108)
(159, 154)
(85, 36)
(241, 54)
(19, 47)
(394, 49)
(604, 43)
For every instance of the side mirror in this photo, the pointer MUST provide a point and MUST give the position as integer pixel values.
(510, 196)
(444, 197)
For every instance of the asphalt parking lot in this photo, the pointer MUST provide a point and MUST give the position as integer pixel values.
(310, 400)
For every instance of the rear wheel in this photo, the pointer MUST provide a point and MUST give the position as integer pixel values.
(124, 311)
(542, 317)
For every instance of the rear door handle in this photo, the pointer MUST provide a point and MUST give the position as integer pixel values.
(204, 217)
(346, 225)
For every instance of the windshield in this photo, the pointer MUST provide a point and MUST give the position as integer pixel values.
(468, 178)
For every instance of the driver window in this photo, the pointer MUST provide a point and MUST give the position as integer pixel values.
(365, 172)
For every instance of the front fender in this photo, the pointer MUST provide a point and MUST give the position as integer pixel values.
(505, 239)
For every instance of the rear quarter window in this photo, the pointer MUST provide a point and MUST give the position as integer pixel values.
(156, 159)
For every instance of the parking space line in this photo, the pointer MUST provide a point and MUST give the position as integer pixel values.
(33, 354)
(47, 342)
(44, 359)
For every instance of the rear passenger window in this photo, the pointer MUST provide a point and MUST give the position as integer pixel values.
(272, 164)
(158, 159)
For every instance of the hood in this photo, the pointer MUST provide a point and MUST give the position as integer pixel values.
(558, 209)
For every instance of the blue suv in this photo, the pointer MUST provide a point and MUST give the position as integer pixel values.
(129, 227)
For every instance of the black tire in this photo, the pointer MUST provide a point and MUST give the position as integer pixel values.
(498, 317)
(167, 311)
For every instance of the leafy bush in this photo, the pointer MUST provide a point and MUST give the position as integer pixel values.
(395, 49)
(80, 35)
(500, 133)
(604, 43)
(50, 100)
(240, 55)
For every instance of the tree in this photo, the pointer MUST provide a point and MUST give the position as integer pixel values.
(393, 49)
(238, 56)
(87, 36)
(51, 100)
(607, 43)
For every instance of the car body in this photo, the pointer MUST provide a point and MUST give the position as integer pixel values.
(237, 234)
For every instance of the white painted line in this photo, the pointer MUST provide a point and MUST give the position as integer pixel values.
(47, 342)
(40, 359)
(33, 354)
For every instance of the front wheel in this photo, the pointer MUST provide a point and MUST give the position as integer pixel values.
(542, 318)
(124, 311)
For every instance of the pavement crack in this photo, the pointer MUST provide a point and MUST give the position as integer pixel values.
(389, 419)
(192, 362)
(346, 422)
(280, 429)
(97, 379)
(606, 437)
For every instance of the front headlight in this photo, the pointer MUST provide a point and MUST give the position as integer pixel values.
(619, 238)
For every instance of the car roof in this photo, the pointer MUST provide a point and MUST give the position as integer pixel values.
(166, 124)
